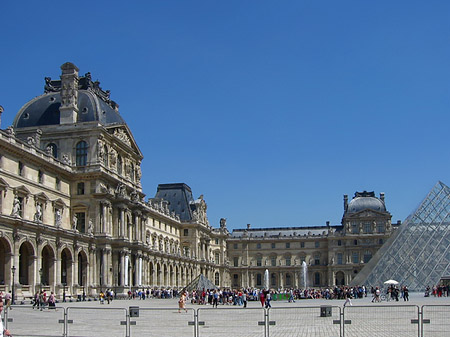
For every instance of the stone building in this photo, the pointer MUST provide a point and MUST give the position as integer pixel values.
(320, 255)
(73, 216)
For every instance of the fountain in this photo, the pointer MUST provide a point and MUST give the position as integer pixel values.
(266, 279)
(304, 274)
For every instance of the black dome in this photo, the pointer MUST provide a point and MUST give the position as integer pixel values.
(44, 110)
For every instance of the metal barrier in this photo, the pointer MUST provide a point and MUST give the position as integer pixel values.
(304, 321)
(353, 321)
(435, 320)
(35, 319)
(381, 320)
(113, 324)
(231, 321)
(162, 322)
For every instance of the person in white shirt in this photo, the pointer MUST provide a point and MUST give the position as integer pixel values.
(3, 332)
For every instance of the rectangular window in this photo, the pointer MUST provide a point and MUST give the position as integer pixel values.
(186, 232)
(217, 258)
(355, 228)
(273, 261)
(302, 245)
(236, 261)
(57, 183)
(317, 259)
(288, 245)
(273, 245)
(235, 246)
(20, 169)
(258, 261)
(258, 246)
(317, 244)
(258, 279)
(40, 177)
(339, 258)
(288, 261)
(81, 222)
(355, 257)
(339, 243)
(302, 259)
(80, 188)
(380, 227)
(217, 241)
(367, 228)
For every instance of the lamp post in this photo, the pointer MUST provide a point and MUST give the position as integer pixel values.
(13, 269)
(64, 285)
(40, 280)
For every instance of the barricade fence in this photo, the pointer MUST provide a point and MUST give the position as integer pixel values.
(325, 320)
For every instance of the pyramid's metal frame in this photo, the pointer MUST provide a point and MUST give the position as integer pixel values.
(418, 254)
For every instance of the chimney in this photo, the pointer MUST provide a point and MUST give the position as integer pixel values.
(1, 111)
(382, 196)
(345, 202)
(69, 94)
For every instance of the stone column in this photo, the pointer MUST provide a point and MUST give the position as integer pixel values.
(122, 268)
(140, 271)
(126, 283)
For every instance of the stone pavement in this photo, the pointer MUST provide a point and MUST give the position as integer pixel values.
(160, 317)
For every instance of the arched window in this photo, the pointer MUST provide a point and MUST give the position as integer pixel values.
(81, 153)
(216, 279)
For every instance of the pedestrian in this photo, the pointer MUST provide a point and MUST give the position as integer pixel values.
(8, 300)
(182, 303)
(406, 293)
(262, 298)
(52, 301)
(348, 299)
(3, 332)
(268, 299)
(244, 298)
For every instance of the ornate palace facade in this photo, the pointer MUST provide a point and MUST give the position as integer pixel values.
(74, 218)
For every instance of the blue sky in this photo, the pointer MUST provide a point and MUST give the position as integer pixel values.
(273, 110)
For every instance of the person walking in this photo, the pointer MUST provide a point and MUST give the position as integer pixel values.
(3, 332)
(182, 303)
(405, 293)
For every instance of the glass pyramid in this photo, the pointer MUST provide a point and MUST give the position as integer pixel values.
(418, 254)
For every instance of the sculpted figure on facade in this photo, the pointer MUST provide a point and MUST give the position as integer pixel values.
(74, 222)
(66, 159)
(101, 150)
(16, 206)
(38, 214)
(121, 190)
(58, 217)
(138, 173)
(90, 230)
(122, 135)
(113, 157)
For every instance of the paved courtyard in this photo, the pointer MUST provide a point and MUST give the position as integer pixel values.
(160, 317)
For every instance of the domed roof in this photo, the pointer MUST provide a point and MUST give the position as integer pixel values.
(93, 104)
(365, 200)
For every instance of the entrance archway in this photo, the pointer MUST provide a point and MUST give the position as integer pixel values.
(26, 253)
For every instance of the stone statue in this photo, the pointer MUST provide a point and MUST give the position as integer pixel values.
(38, 214)
(101, 149)
(66, 159)
(74, 222)
(223, 223)
(90, 227)
(48, 85)
(16, 207)
(58, 217)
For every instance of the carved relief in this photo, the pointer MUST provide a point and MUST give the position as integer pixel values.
(122, 135)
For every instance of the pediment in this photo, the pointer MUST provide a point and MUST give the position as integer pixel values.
(22, 190)
(123, 135)
(41, 197)
(3, 184)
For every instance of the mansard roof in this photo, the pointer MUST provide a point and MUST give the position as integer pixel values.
(284, 231)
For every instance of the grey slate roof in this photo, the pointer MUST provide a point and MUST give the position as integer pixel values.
(179, 196)
(283, 231)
